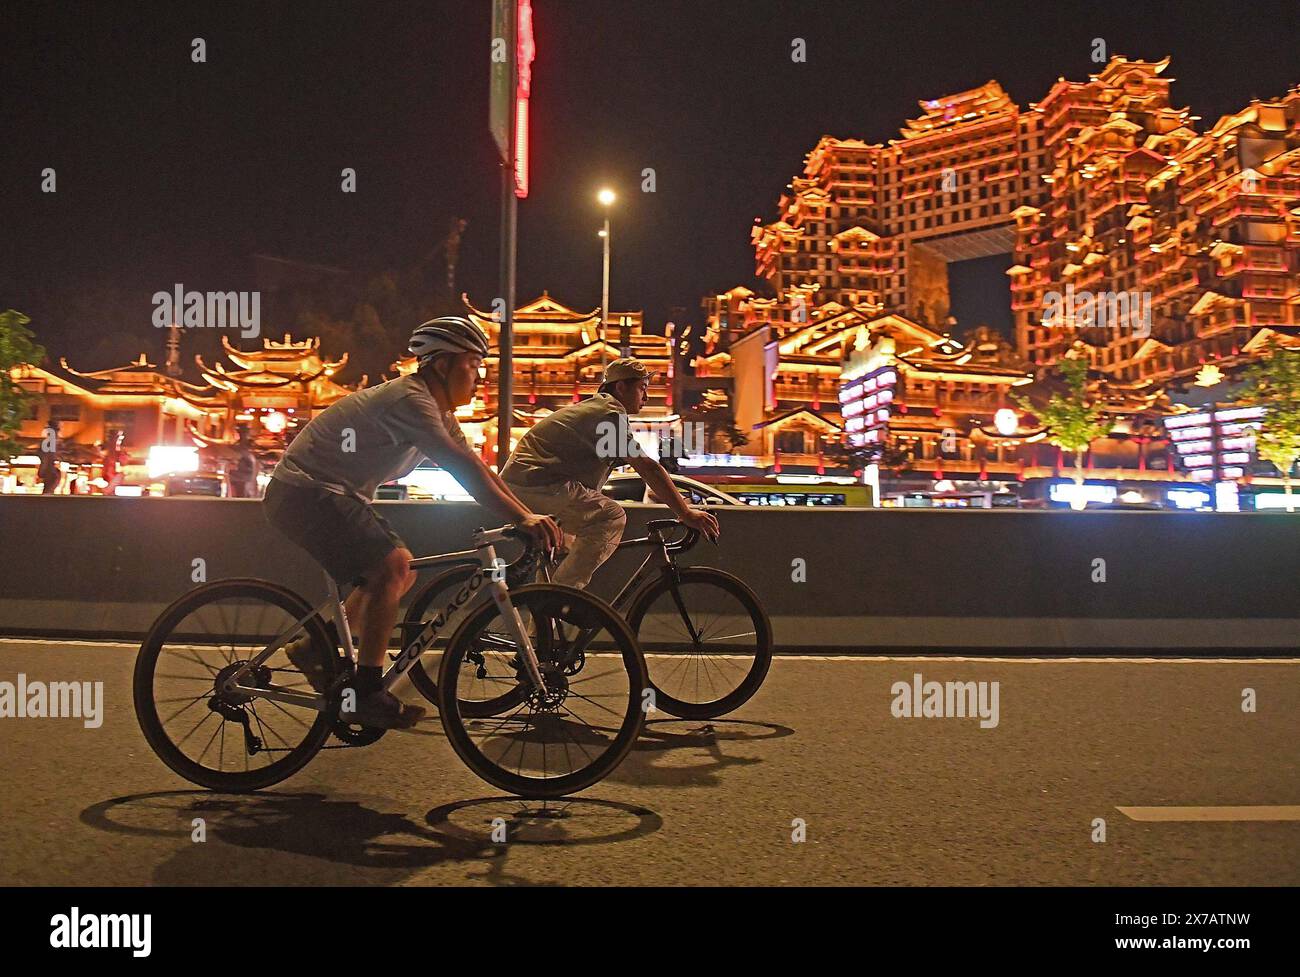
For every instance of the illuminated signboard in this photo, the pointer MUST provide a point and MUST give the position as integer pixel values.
(1080, 494)
(1205, 437)
(866, 403)
(526, 51)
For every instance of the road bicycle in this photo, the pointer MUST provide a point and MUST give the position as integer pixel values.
(557, 735)
(706, 637)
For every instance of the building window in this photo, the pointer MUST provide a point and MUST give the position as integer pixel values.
(120, 420)
(65, 412)
(790, 442)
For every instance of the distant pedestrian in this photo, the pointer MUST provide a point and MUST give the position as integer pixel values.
(48, 471)
(241, 474)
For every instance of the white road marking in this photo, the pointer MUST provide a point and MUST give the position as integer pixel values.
(1256, 812)
(783, 656)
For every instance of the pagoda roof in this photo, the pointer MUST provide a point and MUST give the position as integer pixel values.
(304, 353)
(854, 233)
(782, 419)
(1119, 66)
(1144, 155)
(140, 378)
(1261, 341)
(541, 309)
(1210, 299)
(949, 110)
(1150, 347)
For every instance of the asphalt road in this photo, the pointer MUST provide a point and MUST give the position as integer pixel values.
(883, 800)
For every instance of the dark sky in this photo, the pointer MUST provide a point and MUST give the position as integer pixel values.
(170, 171)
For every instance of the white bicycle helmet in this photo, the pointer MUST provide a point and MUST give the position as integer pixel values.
(447, 334)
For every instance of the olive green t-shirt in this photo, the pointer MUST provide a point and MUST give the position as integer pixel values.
(579, 443)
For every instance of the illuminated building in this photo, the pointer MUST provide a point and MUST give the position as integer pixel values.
(281, 386)
(273, 390)
(1101, 189)
(557, 356)
(1205, 225)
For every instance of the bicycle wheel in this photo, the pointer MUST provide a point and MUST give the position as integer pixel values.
(186, 656)
(568, 737)
(493, 658)
(706, 638)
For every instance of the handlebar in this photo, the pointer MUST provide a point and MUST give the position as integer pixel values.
(686, 542)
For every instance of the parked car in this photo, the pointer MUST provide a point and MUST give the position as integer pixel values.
(629, 487)
(197, 484)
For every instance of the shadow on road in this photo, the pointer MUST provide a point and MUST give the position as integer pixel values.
(340, 835)
(506, 822)
(692, 753)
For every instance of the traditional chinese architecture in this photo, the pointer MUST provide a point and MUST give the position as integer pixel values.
(271, 391)
(1203, 227)
(277, 388)
(558, 357)
(1103, 191)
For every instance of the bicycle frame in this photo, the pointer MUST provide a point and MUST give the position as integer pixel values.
(639, 577)
(490, 574)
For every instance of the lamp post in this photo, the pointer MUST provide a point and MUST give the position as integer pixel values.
(606, 198)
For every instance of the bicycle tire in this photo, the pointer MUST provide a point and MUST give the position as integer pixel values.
(762, 654)
(146, 708)
(576, 605)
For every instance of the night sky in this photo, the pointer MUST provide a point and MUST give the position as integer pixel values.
(170, 171)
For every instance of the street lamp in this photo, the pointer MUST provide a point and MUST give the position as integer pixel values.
(606, 198)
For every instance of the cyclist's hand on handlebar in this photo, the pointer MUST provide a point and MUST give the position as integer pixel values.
(543, 529)
(706, 522)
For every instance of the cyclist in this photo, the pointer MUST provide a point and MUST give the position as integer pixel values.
(320, 495)
(561, 464)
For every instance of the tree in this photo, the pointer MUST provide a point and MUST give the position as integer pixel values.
(1072, 422)
(852, 457)
(1274, 384)
(16, 349)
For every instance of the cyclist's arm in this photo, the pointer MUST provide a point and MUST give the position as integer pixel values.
(423, 428)
(477, 479)
(659, 482)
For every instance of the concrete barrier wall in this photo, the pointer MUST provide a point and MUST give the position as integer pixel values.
(915, 580)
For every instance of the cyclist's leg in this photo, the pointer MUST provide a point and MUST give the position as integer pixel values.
(353, 542)
(377, 606)
(593, 520)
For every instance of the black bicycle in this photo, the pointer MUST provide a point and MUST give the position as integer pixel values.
(706, 638)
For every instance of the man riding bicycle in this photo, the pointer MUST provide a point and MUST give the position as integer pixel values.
(561, 464)
(320, 495)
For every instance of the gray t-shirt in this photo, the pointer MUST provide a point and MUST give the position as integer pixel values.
(369, 438)
(579, 443)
